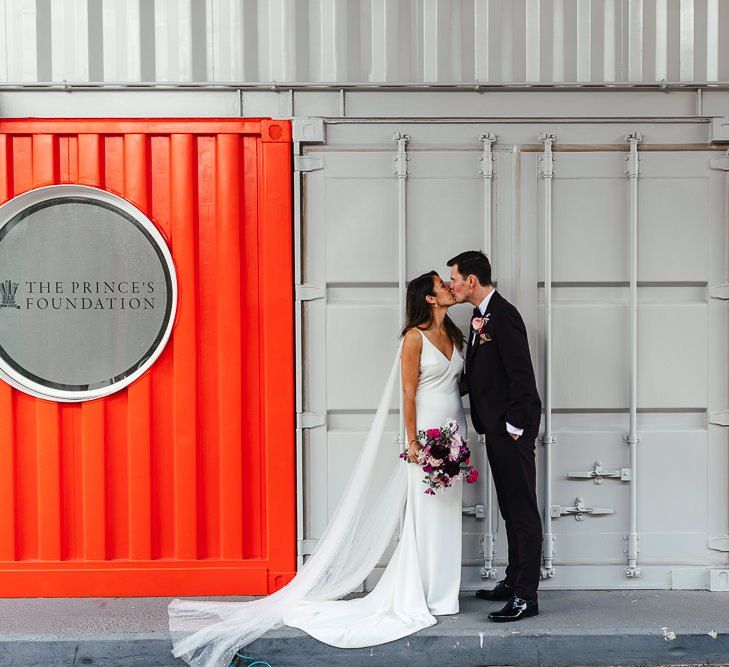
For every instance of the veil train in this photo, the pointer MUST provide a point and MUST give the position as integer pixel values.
(209, 633)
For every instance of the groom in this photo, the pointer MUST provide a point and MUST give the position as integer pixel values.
(505, 406)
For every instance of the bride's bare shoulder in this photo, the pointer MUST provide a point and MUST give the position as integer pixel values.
(412, 341)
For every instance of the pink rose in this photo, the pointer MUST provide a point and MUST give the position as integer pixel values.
(455, 452)
(436, 463)
(433, 433)
(477, 323)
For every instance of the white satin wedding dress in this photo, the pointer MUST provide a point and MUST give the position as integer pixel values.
(423, 576)
(421, 580)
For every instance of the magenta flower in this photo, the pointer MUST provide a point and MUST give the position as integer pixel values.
(433, 433)
(430, 492)
(472, 476)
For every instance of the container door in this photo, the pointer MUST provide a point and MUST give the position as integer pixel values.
(681, 472)
(351, 258)
(352, 318)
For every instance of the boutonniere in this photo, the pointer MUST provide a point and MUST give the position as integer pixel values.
(479, 324)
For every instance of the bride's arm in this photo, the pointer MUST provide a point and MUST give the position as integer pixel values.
(410, 369)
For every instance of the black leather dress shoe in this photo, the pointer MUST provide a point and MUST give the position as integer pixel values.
(502, 591)
(515, 609)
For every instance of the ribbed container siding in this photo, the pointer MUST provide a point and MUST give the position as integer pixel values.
(182, 483)
(365, 41)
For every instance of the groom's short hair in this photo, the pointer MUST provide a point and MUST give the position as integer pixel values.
(473, 262)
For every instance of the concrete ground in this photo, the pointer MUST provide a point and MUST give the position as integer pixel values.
(573, 628)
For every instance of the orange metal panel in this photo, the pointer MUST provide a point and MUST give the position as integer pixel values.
(182, 483)
(7, 475)
(93, 481)
(277, 358)
(229, 377)
(184, 377)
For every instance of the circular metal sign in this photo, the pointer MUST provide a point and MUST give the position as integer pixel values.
(87, 293)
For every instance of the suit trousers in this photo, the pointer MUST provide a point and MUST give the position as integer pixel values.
(514, 471)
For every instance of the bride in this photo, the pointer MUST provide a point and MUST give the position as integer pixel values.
(422, 579)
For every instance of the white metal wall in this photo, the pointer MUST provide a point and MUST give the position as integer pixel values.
(633, 484)
(371, 41)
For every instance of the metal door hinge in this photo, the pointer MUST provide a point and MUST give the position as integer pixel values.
(597, 474)
(720, 163)
(545, 161)
(479, 511)
(401, 159)
(309, 130)
(720, 418)
(719, 543)
(307, 292)
(309, 420)
(720, 130)
(579, 510)
(305, 547)
(307, 163)
(632, 161)
(719, 291)
(486, 161)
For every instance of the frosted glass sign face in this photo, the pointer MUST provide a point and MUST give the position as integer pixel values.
(87, 292)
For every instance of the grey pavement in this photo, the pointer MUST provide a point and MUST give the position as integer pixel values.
(573, 628)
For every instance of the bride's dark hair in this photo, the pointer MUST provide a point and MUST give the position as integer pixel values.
(417, 309)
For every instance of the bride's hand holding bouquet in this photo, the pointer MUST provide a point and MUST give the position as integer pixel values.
(443, 455)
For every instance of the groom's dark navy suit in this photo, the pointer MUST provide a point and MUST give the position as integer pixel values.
(502, 388)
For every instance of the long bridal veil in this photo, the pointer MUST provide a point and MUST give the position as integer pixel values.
(208, 633)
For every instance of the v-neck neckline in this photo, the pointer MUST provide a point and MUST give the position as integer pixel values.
(453, 347)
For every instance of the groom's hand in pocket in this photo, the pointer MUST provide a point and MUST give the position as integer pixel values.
(514, 432)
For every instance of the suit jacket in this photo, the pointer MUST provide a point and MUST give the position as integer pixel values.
(500, 375)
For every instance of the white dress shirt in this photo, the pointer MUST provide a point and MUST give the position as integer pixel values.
(482, 307)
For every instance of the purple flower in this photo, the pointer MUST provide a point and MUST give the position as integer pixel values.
(430, 492)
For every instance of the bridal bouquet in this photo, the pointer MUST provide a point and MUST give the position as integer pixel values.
(444, 458)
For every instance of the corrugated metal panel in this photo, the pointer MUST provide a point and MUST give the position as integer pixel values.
(17, 40)
(70, 40)
(350, 250)
(354, 41)
(182, 483)
(121, 40)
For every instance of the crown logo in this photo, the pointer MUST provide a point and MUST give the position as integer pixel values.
(7, 294)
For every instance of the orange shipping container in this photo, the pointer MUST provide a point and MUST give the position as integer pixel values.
(182, 483)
